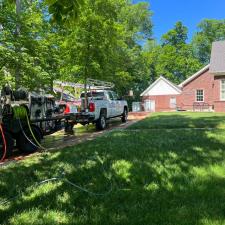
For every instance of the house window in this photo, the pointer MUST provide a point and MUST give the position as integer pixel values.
(200, 95)
(222, 90)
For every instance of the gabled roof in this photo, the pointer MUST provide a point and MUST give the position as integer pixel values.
(174, 87)
(189, 79)
(217, 62)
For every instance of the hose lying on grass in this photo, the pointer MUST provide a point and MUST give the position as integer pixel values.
(65, 180)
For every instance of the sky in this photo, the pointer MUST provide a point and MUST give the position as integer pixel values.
(167, 12)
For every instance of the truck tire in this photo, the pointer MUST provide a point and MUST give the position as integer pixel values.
(101, 122)
(124, 115)
(9, 143)
(29, 146)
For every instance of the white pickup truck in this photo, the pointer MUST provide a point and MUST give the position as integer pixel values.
(101, 106)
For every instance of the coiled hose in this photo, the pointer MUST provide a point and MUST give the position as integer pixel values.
(20, 113)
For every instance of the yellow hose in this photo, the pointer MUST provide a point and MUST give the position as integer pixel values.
(20, 113)
(37, 142)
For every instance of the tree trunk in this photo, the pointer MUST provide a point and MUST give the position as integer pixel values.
(86, 71)
(17, 33)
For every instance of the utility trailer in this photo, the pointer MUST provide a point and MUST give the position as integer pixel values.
(25, 118)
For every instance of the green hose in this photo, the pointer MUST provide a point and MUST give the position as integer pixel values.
(20, 113)
(28, 122)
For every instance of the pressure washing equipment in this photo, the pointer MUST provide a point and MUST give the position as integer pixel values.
(32, 133)
(4, 144)
(20, 114)
(16, 124)
(26, 117)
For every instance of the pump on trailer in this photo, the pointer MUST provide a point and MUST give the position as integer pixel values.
(25, 118)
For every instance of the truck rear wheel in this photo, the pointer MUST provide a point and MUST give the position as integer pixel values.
(27, 144)
(9, 144)
(101, 122)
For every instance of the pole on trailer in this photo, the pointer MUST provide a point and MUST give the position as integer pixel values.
(85, 94)
(62, 90)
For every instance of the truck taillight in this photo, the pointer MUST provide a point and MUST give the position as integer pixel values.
(91, 107)
(67, 109)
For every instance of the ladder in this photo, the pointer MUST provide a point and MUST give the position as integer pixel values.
(92, 84)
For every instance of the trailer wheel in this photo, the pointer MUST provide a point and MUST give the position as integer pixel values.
(69, 128)
(28, 144)
(124, 116)
(9, 143)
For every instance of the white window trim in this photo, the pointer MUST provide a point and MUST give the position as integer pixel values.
(221, 99)
(196, 95)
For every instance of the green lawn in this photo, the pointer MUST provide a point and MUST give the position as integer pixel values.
(183, 120)
(172, 176)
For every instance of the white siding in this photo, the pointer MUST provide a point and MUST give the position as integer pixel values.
(161, 88)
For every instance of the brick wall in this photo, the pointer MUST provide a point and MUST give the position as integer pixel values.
(211, 87)
(219, 106)
(205, 82)
(185, 101)
(162, 102)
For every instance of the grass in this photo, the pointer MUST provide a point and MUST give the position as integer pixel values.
(183, 120)
(159, 176)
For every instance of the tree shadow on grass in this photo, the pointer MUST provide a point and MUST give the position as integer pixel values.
(159, 177)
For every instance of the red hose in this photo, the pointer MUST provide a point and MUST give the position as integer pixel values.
(4, 142)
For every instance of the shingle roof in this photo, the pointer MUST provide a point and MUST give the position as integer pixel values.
(217, 62)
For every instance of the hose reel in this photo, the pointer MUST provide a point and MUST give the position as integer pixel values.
(19, 112)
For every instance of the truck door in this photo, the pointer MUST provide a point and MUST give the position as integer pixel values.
(111, 105)
(118, 104)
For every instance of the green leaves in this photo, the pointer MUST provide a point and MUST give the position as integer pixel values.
(209, 30)
(176, 36)
(33, 53)
(174, 58)
(64, 11)
(102, 44)
(50, 2)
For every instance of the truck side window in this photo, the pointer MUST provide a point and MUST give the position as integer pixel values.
(115, 96)
(110, 95)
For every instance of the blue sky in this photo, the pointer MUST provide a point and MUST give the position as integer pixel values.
(190, 12)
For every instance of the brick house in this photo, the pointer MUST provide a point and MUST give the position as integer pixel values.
(203, 91)
(160, 96)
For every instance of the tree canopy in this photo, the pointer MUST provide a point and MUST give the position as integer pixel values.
(209, 30)
(51, 39)
(173, 58)
(44, 40)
